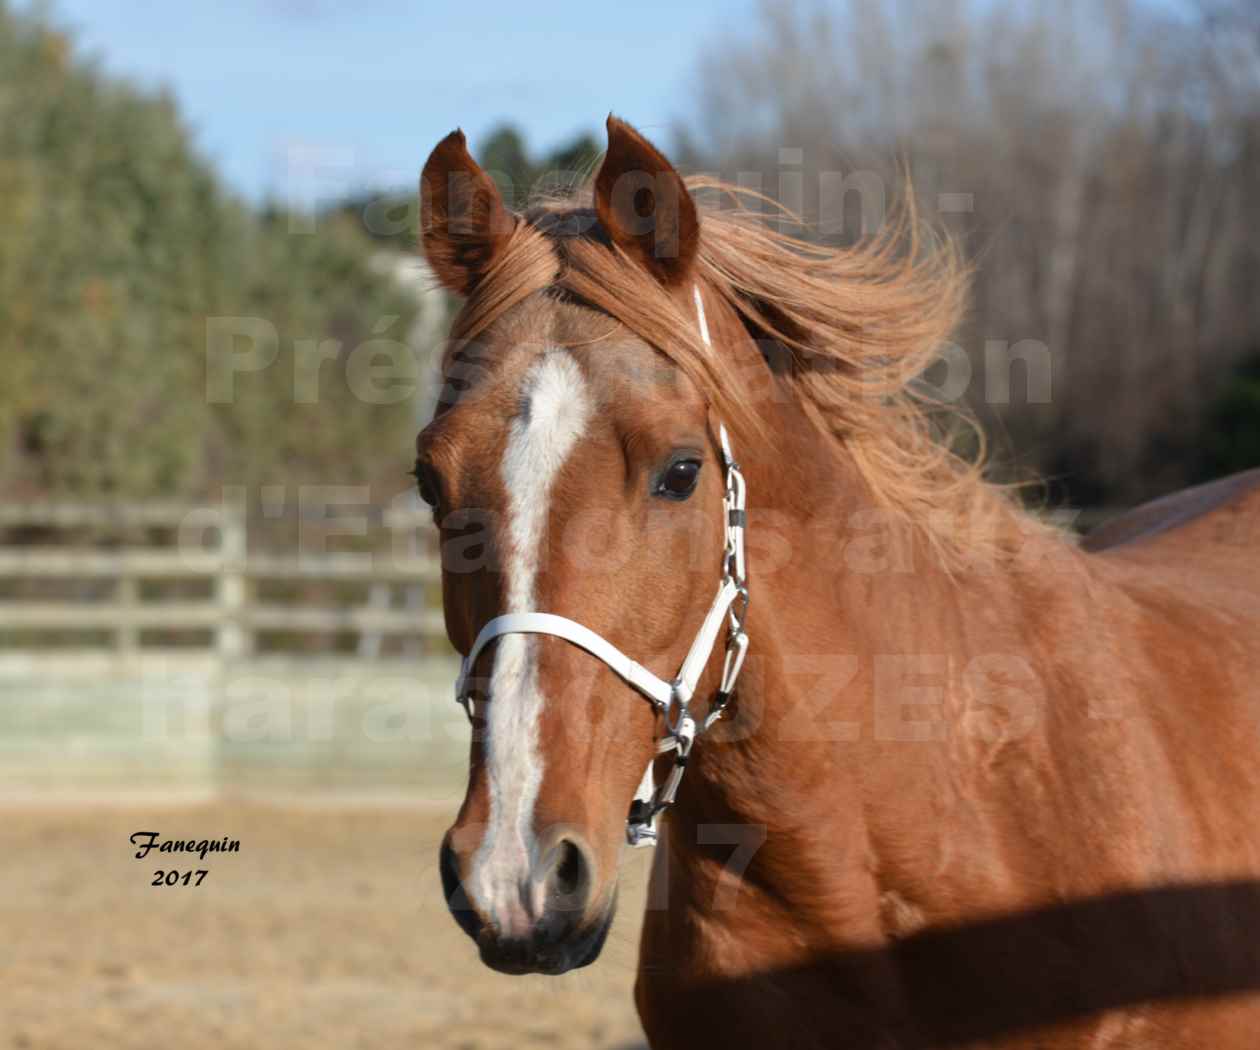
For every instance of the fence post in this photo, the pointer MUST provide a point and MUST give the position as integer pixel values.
(127, 595)
(234, 635)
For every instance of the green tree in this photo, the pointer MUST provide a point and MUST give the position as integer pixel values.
(390, 216)
(503, 155)
(119, 245)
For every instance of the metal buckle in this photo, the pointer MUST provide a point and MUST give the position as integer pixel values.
(678, 704)
(735, 619)
(641, 827)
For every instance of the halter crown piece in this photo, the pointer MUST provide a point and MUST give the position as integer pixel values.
(671, 699)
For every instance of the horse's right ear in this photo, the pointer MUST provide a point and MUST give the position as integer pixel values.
(464, 223)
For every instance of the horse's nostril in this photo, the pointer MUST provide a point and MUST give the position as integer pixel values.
(569, 870)
(570, 881)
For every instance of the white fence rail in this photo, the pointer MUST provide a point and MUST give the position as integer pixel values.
(234, 615)
(152, 647)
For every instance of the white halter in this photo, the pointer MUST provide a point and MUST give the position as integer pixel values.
(671, 699)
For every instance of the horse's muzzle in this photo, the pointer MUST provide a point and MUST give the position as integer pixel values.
(562, 936)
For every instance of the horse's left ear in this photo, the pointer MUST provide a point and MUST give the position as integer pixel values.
(644, 206)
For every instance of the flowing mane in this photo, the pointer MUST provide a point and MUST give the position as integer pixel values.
(849, 329)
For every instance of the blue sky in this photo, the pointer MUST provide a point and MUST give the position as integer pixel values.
(305, 99)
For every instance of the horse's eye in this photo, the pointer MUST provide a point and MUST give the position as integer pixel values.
(425, 484)
(679, 479)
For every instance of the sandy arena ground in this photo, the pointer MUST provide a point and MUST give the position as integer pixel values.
(327, 930)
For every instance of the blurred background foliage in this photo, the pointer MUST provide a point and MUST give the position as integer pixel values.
(391, 217)
(1099, 161)
(118, 244)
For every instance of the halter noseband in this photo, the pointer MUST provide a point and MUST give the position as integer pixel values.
(671, 699)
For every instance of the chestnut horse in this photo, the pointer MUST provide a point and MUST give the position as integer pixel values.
(977, 784)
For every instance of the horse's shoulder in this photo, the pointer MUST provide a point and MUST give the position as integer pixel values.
(1226, 511)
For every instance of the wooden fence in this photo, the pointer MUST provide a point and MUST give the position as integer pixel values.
(154, 647)
(113, 602)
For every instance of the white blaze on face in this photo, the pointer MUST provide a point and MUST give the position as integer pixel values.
(555, 409)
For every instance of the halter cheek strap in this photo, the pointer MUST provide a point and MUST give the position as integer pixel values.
(673, 698)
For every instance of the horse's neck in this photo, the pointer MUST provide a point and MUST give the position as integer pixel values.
(852, 715)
